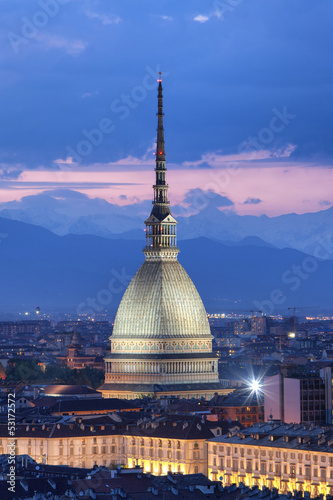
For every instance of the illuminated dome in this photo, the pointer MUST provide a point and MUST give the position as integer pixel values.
(161, 302)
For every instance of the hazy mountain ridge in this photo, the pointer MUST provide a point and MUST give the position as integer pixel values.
(75, 271)
(303, 232)
(70, 212)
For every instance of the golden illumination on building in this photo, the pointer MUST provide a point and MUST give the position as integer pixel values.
(288, 458)
(168, 445)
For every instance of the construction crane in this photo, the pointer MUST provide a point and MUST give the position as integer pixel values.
(298, 309)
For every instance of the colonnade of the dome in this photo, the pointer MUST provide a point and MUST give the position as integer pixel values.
(161, 371)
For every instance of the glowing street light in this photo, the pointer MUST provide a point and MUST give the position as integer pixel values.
(255, 386)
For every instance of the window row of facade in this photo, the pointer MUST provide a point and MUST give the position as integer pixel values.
(114, 450)
(272, 453)
(287, 470)
(262, 467)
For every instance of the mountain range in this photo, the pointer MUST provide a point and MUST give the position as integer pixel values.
(69, 212)
(88, 273)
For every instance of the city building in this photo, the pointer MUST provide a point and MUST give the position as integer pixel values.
(258, 325)
(62, 483)
(167, 444)
(299, 399)
(42, 481)
(240, 407)
(76, 358)
(281, 457)
(242, 327)
(161, 342)
(274, 455)
(69, 391)
(23, 327)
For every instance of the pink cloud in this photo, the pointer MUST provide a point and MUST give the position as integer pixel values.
(282, 186)
(215, 159)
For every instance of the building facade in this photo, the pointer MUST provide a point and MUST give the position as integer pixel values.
(299, 400)
(272, 455)
(287, 457)
(77, 359)
(244, 408)
(258, 325)
(168, 445)
(161, 342)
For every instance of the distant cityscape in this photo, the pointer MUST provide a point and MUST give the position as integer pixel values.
(275, 404)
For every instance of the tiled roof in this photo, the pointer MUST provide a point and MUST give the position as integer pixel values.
(68, 389)
(176, 427)
(87, 405)
(161, 301)
(280, 435)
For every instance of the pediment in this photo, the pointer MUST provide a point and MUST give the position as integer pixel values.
(170, 219)
(152, 218)
(167, 219)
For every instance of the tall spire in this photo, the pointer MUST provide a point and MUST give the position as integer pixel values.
(160, 151)
(160, 202)
(161, 226)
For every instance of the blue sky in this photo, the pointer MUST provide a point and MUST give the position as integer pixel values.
(229, 68)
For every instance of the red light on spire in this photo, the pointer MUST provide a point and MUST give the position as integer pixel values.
(160, 152)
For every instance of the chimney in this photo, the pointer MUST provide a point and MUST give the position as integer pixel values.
(52, 484)
(174, 490)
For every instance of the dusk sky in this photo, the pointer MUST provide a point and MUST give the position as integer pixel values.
(248, 100)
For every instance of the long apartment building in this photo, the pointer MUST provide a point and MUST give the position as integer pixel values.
(287, 457)
(273, 455)
(162, 445)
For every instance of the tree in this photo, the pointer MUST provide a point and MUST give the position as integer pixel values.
(24, 370)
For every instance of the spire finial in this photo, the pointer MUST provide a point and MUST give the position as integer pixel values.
(160, 152)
